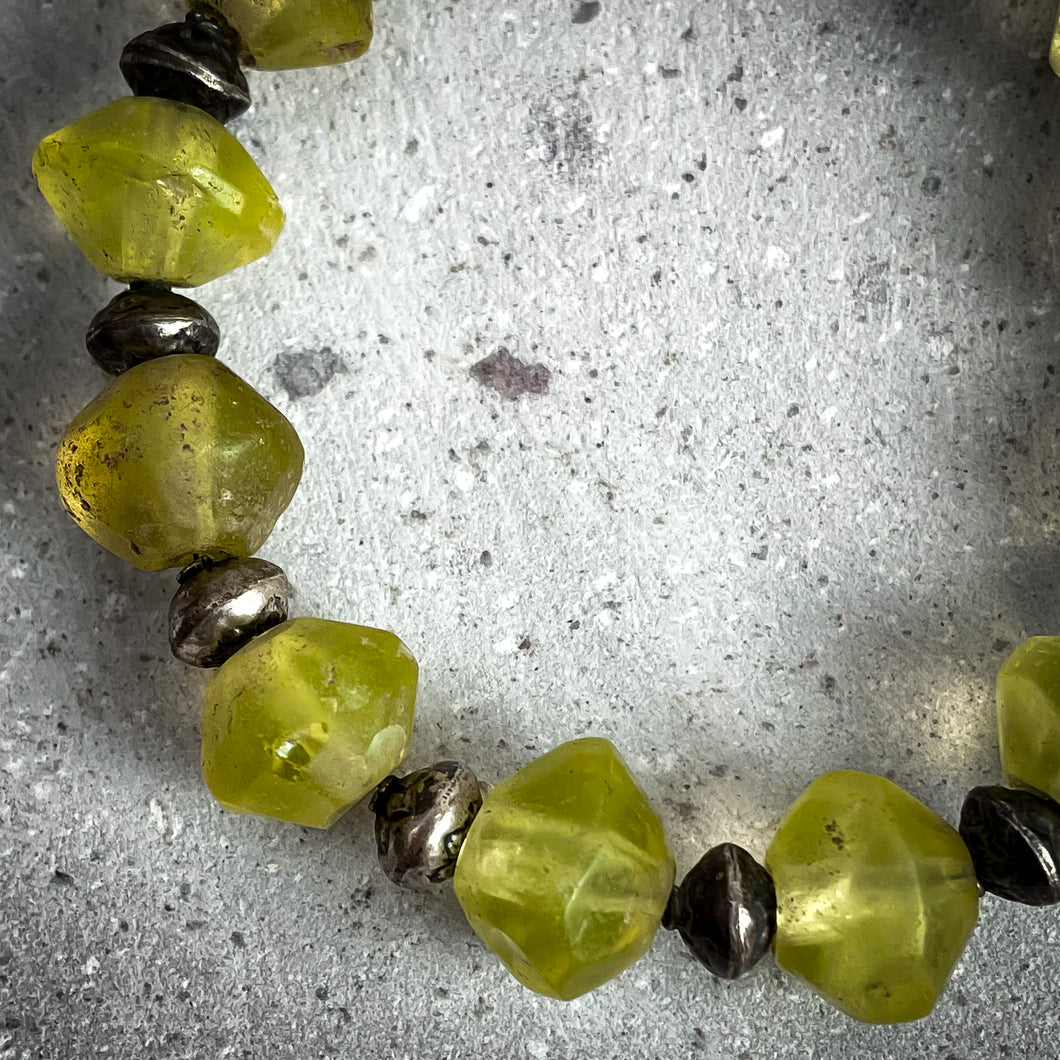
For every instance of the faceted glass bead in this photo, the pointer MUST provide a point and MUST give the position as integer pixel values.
(153, 189)
(876, 896)
(1054, 48)
(1028, 714)
(565, 873)
(177, 459)
(306, 719)
(283, 34)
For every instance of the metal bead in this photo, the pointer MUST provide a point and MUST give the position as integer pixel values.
(149, 320)
(194, 61)
(1014, 839)
(421, 820)
(725, 910)
(220, 607)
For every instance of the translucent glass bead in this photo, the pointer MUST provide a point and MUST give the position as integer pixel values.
(177, 459)
(565, 873)
(153, 189)
(307, 719)
(1028, 714)
(283, 34)
(876, 896)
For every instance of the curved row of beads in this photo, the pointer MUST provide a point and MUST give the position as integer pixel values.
(563, 869)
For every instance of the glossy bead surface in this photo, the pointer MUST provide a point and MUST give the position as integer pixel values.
(1028, 714)
(421, 820)
(178, 459)
(725, 910)
(152, 189)
(1054, 48)
(147, 321)
(876, 896)
(1014, 840)
(193, 62)
(565, 873)
(284, 34)
(221, 607)
(307, 719)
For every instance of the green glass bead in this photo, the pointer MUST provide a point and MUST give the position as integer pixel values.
(284, 34)
(1054, 48)
(876, 897)
(176, 459)
(565, 873)
(152, 189)
(307, 719)
(1028, 714)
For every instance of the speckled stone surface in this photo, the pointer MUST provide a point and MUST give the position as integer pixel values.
(758, 480)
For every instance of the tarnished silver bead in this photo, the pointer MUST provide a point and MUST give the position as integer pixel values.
(193, 62)
(421, 820)
(220, 607)
(149, 320)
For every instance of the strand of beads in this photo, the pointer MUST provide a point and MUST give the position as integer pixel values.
(562, 869)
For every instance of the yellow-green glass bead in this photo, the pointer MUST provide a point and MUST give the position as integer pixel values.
(565, 873)
(176, 459)
(876, 896)
(1054, 48)
(1028, 714)
(152, 189)
(307, 719)
(284, 34)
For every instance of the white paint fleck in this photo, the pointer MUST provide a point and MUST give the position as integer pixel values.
(417, 204)
(777, 259)
(772, 138)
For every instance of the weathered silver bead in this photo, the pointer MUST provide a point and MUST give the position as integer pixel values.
(220, 607)
(192, 62)
(149, 320)
(421, 820)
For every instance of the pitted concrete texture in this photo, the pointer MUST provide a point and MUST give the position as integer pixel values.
(679, 373)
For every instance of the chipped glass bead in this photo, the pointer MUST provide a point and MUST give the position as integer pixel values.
(876, 896)
(284, 34)
(193, 61)
(421, 820)
(220, 607)
(307, 719)
(1028, 714)
(152, 189)
(565, 873)
(725, 910)
(175, 460)
(1014, 840)
(149, 320)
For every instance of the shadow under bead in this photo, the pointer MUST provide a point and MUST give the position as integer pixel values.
(149, 320)
(220, 607)
(194, 61)
(421, 820)
(725, 910)
(1014, 839)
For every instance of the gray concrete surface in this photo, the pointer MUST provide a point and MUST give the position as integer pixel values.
(789, 498)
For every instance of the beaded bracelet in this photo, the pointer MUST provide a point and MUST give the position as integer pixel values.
(562, 869)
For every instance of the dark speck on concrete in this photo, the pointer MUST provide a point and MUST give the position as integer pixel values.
(64, 879)
(509, 376)
(237, 940)
(303, 373)
(585, 12)
(931, 185)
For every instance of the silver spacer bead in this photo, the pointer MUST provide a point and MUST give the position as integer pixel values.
(221, 607)
(421, 820)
